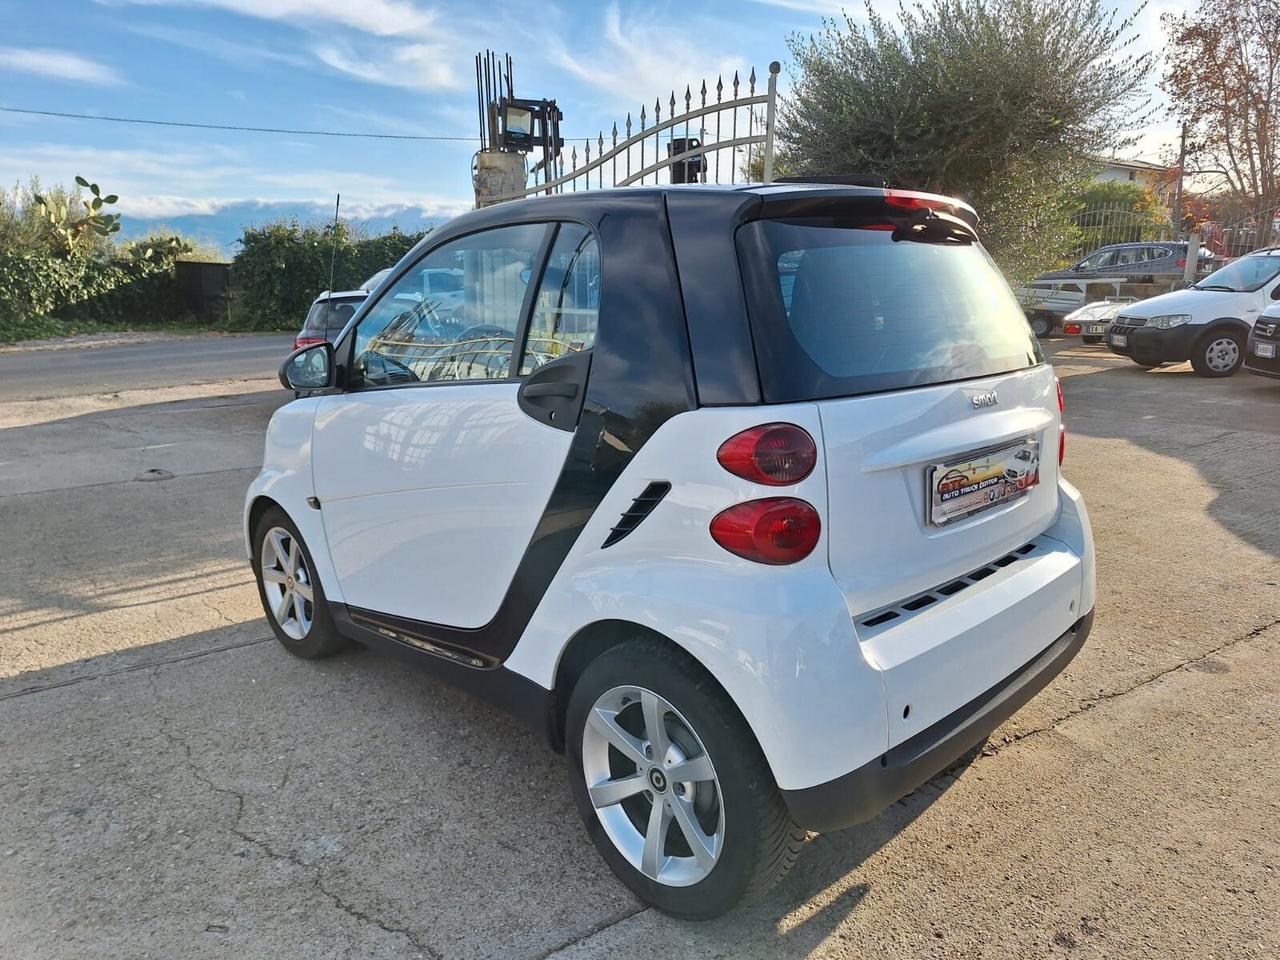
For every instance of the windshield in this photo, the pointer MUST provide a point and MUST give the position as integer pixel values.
(1243, 276)
(838, 311)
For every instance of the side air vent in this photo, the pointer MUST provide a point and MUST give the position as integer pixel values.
(910, 605)
(640, 508)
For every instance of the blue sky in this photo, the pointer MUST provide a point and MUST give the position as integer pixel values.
(386, 66)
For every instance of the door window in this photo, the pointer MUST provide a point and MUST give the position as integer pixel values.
(453, 316)
(567, 305)
(1097, 261)
(1131, 256)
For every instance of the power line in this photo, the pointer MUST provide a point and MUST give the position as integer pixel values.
(219, 126)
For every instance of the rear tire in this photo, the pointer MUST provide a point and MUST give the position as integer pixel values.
(732, 806)
(1219, 353)
(1040, 326)
(285, 573)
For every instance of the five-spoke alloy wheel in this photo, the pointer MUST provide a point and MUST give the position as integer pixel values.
(671, 784)
(287, 583)
(653, 786)
(291, 593)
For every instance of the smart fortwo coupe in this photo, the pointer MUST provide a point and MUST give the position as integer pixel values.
(726, 490)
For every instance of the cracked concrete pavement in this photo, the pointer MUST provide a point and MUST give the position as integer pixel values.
(174, 785)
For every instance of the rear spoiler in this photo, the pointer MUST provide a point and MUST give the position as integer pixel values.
(861, 201)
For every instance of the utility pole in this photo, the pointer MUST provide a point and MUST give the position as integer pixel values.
(1177, 193)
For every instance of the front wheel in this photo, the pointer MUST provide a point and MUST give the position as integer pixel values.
(1218, 354)
(671, 784)
(1041, 326)
(290, 591)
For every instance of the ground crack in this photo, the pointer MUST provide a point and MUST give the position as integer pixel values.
(166, 723)
(422, 948)
(591, 931)
(1086, 705)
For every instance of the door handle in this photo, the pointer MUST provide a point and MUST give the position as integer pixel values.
(535, 390)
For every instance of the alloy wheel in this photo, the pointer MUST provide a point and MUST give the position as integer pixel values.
(653, 786)
(1222, 354)
(287, 583)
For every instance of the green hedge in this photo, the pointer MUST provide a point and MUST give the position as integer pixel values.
(43, 295)
(282, 266)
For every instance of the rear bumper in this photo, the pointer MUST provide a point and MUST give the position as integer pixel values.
(862, 793)
(1151, 345)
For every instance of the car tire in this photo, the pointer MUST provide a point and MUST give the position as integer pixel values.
(1092, 339)
(282, 565)
(1219, 353)
(1040, 326)
(744, 829)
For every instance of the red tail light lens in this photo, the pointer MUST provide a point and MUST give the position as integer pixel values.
(1071, 329)
(777, 454)
(300, 342)
(909, 200)
(1062, 427)
(776, 530)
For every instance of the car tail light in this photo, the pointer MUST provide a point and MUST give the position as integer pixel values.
(1071, 329)
(1182, 264)
(1062, 427)
(909, 200)
(777, 454)
(300, 342)
(776, 530)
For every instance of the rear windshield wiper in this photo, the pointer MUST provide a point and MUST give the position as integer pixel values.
(934, 226)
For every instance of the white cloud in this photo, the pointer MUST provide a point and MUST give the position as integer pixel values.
(828, 7)
(232, 51)
(383, 18)
(415, 66)
(640, 57)
(60, 64)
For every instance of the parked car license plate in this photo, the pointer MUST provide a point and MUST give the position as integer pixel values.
(961, 488)
(1119, 340)
(1096, 329)
(1267, 350)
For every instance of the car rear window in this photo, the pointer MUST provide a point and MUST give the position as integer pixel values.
(837, 311)
(328, 318)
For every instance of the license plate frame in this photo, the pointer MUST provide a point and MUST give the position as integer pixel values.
(1119, 340)
(1267, 351)
(981, 480)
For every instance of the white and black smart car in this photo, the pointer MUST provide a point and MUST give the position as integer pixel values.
(711, 485)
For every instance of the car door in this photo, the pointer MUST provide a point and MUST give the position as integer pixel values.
(433, 467)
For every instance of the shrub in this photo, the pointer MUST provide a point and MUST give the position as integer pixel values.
(282, 266)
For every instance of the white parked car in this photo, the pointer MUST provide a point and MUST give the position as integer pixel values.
(1207, 323)
(712, 488)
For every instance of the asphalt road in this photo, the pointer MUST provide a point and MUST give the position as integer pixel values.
(174, 785)
(41, 374)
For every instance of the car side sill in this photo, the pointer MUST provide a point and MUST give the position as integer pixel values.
(862, 793)
(512, 692)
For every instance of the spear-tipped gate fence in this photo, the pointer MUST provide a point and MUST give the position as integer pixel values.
(718, 128)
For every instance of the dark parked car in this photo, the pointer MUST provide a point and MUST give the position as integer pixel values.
(1262, 352)
(1145, 262)
(328, 316)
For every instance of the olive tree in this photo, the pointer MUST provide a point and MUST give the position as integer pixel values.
(1007, 103)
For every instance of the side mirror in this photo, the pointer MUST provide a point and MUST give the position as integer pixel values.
(309, 368)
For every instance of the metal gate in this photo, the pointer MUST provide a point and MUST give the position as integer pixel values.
(718, 133)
